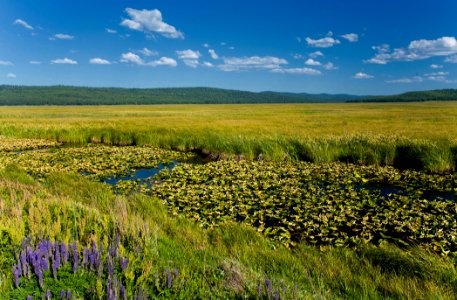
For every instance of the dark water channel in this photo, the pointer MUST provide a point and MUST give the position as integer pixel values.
(141, 174)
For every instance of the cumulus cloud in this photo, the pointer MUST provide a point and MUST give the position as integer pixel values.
(351, 37)
(23, 24)
(323, 42)
(297, 71)
(206, 45)
(35, 62)
(207, 64)
(64, 61)
(133, 58)
(361, 75)
(330, 66)
(252, 63)
(434, 66)
(312, 62)
(146, 52)
(150, 21)
(5, 63)
(297, 56)
(188, 54)
(213, 54)
(416, 50)
(11, 75)
(99, 61)
(112, 31)
(315, 54)
(189, 57)
(451, 59)
(61, 36)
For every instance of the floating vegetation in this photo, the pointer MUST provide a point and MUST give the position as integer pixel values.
(19, 145)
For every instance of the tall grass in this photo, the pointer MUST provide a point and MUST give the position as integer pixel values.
(417, 135)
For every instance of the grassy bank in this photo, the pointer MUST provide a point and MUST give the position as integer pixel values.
(230, 261)
(413, 135)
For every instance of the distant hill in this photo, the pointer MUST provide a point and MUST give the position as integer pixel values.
(433, 95)
(69, 95)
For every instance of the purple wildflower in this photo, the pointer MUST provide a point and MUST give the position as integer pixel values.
(63, 253)
(16, 275)
(68, 294)
(169, 278)
(75, 257)
(124, 263)
(259, 290)
(277, 294)
(62, 294)
(29, 297)
(269, 287)
(86, 257)
(48, 295)
(122, 294)
(44, 264)
(39, 274)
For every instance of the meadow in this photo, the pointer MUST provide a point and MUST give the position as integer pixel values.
(302, 201)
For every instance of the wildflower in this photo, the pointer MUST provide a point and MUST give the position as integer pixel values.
(16, 275)
(48, 295)
(169, 278)
(269, 287)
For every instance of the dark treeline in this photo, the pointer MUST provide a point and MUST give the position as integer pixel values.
(69, 95)
(433, 95)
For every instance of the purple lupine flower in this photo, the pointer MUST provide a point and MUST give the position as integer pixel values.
(23, 261)
(56, 263)
(48, 295)
(39, 274)
(68, 294)
(44, 264)
(29, 297)
(75, 257)
(269, 287)
(85, 257)
(122, 294)
(16, 275)
(92, 257)
(49, 245)
(169, 278)
(62, 294)
(63, 253)
(259, 290)
(277, 294)
(124, 263)
(109, 266)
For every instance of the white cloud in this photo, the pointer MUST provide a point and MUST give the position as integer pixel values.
(323, 42)
(112, 31)
(434, 66)
(11, 75)
(361, 75)
(297, 71)
(437, 74)
(312, 62)
(406, 80)
(206, 45)
(163, 61)
(330, 66)
(297, 56)
(23, 24)
(35, 62)
(188, 54)
(213, 54)
(351, 37)
(5, 63)
(64, 61)
(150, 21)
(189, 57)
(315, 54)
(61, 36)
(252, 63)
(99, 61)
(207, 64)
(146, 52)
(133, 58)
(451, 59)
(416, 50)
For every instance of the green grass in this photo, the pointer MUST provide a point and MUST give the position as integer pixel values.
(225, 262)
(360, 133)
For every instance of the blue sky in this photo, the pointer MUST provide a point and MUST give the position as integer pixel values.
(357, 47)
